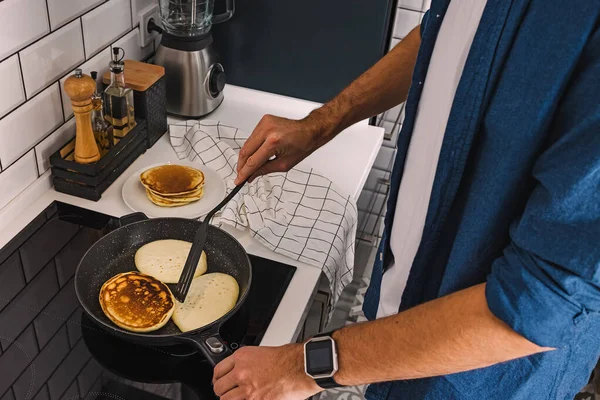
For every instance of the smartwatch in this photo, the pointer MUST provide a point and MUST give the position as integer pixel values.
(320, 360)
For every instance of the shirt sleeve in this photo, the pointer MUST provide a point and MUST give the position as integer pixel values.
(549, 275)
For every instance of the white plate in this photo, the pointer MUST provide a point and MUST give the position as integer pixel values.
(134, 194)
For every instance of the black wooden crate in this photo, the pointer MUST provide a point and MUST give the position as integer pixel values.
(91, 180)
(151, 105)
(63, 158)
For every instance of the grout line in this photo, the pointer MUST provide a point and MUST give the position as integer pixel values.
(22, 76)
(48, 14)
(83, 39)
(406, 8)
(37, 166)
(131, 9)
(62, 105)
(18, 159)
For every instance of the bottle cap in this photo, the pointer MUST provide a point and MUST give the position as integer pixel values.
(116, 64)
(78, 73)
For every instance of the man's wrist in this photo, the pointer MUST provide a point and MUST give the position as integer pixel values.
(324, 123)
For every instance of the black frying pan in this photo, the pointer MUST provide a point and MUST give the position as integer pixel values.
(114, 254)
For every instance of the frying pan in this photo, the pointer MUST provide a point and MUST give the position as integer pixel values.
(114, 254)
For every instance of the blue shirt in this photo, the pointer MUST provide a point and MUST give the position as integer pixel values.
(516, 197)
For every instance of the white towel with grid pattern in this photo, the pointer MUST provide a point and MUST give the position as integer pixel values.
(300, 214)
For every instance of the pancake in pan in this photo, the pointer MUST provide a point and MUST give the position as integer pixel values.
(165, 259)
(137, 302)
(211, 296)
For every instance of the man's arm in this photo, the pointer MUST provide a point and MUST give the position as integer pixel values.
(452, 334)
(382, 87)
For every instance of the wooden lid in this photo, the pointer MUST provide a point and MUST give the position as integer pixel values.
(139, 76)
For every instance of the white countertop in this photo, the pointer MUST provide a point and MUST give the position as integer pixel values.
(346, 160)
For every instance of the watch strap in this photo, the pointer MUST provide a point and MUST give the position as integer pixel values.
(327, 383)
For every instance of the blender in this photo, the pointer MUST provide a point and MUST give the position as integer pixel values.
(195, 78)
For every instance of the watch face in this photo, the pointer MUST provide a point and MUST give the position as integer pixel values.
(319, 357)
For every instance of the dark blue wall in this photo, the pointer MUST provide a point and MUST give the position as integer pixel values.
(309, 49)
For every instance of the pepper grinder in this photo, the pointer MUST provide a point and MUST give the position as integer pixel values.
(80, 88)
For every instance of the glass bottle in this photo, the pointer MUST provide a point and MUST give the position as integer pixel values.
(103, 131)
(118, 98)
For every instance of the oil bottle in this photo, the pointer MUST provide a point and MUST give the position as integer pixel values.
(103, 131)
(118, 98)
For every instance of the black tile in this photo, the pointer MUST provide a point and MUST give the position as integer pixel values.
(55, 314)
(16, 359)
(11, 279)
(42, 394)
(69, 257)
(51, 210)
(95, 390)
(46, 362)
(88, 377)
(8, 396)
(72, 392)
(68, 370)
(27, 305)
(74, 327)
(21, 237)
(44, 244)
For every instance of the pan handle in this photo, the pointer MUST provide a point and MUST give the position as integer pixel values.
(130, 219)
(212, 346)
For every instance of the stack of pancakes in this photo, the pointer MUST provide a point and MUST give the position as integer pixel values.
(173, 185)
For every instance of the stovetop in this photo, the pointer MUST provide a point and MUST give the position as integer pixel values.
(49, 349)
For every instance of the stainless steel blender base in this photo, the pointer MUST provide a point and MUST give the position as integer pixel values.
(190, 77)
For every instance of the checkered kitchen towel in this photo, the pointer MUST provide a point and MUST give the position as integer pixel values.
(300, 214)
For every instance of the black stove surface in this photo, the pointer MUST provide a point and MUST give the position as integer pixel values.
(49, 349)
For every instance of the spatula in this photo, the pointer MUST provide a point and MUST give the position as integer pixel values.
(189, 269)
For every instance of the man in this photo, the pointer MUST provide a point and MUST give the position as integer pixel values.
(487, 284)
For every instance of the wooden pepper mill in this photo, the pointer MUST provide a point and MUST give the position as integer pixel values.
(80, 88)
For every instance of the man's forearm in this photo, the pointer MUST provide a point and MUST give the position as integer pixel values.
(452, 334)
(380, 88)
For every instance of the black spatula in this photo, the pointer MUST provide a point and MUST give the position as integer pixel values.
(187, 275)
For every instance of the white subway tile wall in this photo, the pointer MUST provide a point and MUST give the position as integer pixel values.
(15, 179)
(51, 57)
(29, 124)
(42, 42)
(371, 204)
(105, 24)
(12, 87)
(63, 11)
(21, 22)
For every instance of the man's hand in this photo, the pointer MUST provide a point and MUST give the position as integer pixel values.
(290, 141)
(258, 373)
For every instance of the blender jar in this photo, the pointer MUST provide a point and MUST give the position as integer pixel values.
(191, 17)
